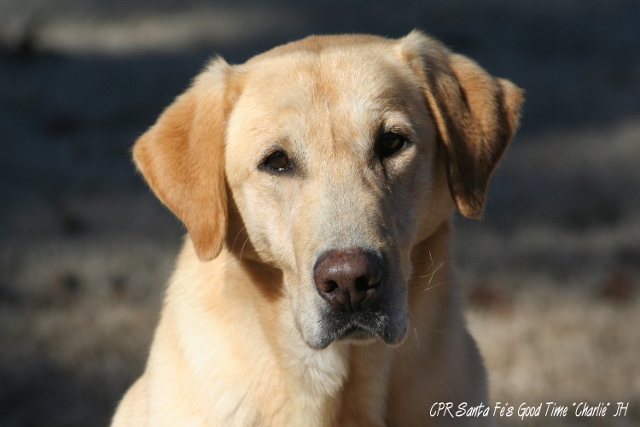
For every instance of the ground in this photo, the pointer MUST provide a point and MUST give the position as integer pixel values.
(551, 272)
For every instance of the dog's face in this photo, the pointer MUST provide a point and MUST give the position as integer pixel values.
(339, 155)
(327, 163)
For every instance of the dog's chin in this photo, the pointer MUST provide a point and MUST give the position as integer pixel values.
(362, 330)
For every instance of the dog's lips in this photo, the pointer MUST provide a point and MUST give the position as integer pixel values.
(355, 333)
(363, 326)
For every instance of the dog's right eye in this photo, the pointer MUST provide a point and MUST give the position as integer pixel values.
(277, 162)
(390, 143)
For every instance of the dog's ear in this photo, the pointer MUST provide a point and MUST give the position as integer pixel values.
(475, 116)
(182, 159)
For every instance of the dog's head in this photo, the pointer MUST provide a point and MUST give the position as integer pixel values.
(332, 157)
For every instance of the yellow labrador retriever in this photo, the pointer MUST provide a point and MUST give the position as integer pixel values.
(316, 182)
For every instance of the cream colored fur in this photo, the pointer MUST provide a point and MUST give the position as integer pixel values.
(241, 340)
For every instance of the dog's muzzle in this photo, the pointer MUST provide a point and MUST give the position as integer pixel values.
(361, 303)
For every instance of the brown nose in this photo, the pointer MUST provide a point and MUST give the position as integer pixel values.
(348, 278)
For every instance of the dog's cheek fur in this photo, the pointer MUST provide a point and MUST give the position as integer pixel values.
(268, 228)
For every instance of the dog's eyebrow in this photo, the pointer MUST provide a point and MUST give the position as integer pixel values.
(393, 120)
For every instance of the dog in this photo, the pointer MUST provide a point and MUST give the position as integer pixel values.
(316, 182)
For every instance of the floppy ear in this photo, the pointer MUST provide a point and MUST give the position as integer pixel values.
(182, 159)
(474, 113)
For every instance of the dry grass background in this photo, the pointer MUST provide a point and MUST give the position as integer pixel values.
(552, 273)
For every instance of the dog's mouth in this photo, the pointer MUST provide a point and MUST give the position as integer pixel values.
(362, 327)
(355, 333)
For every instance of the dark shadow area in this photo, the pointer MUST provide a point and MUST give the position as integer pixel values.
(41, 394)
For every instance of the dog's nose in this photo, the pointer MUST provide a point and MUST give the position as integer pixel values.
(348, 278)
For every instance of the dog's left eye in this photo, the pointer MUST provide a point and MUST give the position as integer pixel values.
(277, 162)
(390, 143)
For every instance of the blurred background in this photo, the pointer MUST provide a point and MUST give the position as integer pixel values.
(552, 273)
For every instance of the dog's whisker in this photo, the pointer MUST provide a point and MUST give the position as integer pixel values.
(237, 235)
(430, 275)
(243, 245)
(438, 284)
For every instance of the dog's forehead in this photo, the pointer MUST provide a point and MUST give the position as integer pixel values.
(325, 43)
(324, 74)
(324, 86)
